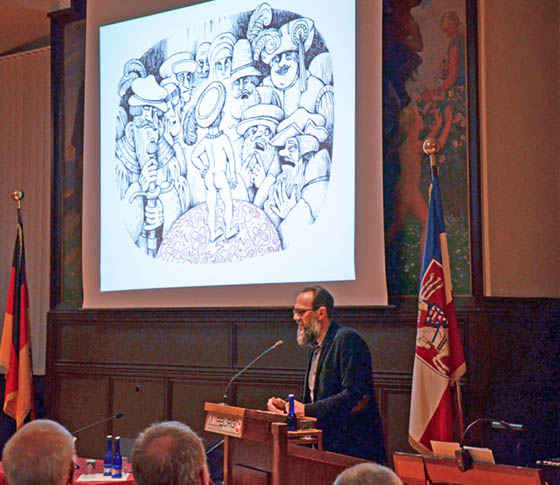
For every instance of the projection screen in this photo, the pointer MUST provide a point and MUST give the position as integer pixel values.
(222, 162)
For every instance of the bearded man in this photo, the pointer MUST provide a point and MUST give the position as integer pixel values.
(259, 159)
(338, 388)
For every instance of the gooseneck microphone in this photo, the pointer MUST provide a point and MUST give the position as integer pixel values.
(497, 424)
(116, 416)
(226, 396)
(463, 457)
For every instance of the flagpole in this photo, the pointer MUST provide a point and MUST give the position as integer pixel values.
(431, 148)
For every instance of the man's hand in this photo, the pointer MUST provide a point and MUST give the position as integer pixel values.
(258, 173)
(153, 215)
(148, 174)
(283, 203)
(299, 408)
(276, 405)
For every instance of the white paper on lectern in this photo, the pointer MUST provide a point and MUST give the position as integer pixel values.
(447, 449)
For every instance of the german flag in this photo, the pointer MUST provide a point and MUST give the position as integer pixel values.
(15, 348)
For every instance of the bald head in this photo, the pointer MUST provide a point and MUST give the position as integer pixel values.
(368, 474)
(40, 453)
(169, 453)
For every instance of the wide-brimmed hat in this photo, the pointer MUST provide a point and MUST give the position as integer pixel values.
(170, 84)
(295, 35)
(260, 114)
(306, 144)
(176, 63)
(221, 46)
(202, 49)
(210, 104)
(301, 122)
(147, 92)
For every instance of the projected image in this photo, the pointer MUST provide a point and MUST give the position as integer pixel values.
(224, 137)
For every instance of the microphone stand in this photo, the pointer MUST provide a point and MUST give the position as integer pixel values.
(214, 447)
(226, 396)
(101, 421)
(464, 458)
(262, 354)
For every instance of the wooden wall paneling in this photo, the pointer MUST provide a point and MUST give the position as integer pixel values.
(395, 407)
(254, 338)
(478, 337)
(187, 404)
(255, 395)
(80, 401)
(143, 402)
(511, 350)
(141, 339)
(520, 377)
(384, 339)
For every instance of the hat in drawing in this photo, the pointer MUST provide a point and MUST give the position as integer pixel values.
(260, 114)
(147, 92)
(242, 63)
(210, 104)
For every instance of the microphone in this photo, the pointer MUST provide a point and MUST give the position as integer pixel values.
(277, 344)
(508, 426)
(116, 416)
(214, 447)
(463, 457)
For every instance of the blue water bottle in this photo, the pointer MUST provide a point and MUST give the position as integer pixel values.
(108, 457)
(292, 418)
(117, 459)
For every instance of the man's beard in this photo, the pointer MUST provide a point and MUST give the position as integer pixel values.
(242, 100)
(140, 122)
(293, 178)
(308, 335)
(261, 149)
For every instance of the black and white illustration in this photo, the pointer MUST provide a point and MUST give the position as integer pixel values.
(218, 140)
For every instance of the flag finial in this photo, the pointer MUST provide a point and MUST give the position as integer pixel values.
(431, 147)
(17, 195)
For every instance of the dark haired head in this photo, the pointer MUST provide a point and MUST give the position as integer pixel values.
(321, 297)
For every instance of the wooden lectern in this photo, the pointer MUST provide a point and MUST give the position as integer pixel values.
(420, 470)
(257, 450)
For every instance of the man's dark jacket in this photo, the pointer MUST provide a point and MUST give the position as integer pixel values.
(345, 404)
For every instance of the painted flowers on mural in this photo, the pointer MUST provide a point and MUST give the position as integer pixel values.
(224, 142)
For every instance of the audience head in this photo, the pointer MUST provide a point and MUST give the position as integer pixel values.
(40, 453)
(368, 474)
(169, 453)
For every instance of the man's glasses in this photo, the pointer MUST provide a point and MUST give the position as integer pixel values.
(301, 311)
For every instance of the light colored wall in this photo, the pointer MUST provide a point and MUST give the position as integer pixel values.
(520, 144)
(25, 156)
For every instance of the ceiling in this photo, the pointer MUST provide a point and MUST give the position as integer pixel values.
(24, 23)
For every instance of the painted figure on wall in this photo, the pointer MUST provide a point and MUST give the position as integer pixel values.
(424, 95)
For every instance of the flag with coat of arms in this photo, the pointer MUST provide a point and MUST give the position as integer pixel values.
(439, 360)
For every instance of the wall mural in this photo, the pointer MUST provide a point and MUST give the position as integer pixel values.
(424, 95)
